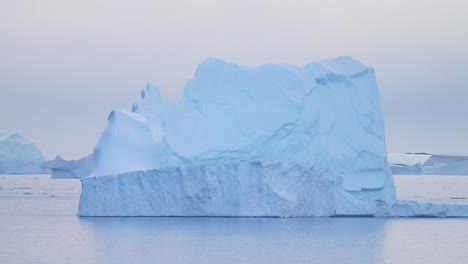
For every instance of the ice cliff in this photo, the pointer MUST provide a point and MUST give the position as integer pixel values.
(19, 155)
(273, 140)
(70, 168)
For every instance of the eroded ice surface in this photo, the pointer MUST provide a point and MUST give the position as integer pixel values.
(328, 111)
(236, 188)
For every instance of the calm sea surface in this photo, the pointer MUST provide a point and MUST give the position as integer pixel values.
(38, 224)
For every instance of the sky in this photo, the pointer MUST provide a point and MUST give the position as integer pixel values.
(64, 65)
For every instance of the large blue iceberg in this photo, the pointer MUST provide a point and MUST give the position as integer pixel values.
(274, 140)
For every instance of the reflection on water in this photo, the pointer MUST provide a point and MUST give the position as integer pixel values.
(432, 188)
(38, 224)
(425, 240)
(237, 240)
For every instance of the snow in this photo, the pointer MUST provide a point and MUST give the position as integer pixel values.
(274, 140)
(70, 168)
(241, 189)
(19, 155)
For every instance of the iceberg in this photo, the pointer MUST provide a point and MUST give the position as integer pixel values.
(275, 140)
(407, 163)
(446, 165)
(427, 164)
(19, 155)
(70, 168)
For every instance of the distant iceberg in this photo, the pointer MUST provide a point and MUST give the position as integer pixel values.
(274, 140)
(407, 163)
(427, 164)
(19, 155)
(61, 168)
(446, 165)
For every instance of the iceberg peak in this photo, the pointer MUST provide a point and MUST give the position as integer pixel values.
(344, 65)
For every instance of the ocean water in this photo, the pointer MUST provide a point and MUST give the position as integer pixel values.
(38, 224)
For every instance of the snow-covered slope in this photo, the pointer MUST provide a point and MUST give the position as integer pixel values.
(19, 155)
(273, 140)
(70, 168)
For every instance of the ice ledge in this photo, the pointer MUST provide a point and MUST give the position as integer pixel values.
(242, 189)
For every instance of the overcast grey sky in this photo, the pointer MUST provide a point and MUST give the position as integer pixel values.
(64, 65)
